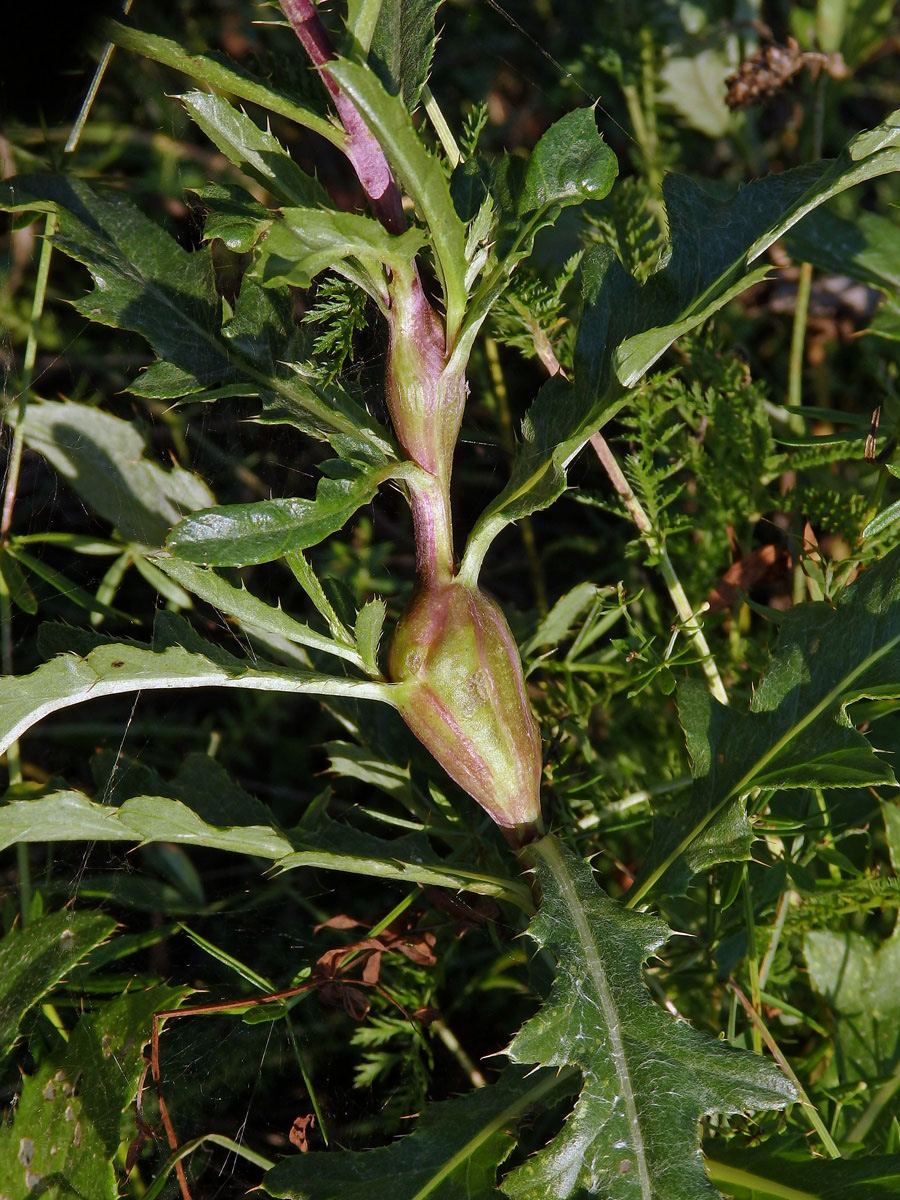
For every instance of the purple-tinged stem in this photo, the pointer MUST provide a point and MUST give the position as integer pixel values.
(363, 150)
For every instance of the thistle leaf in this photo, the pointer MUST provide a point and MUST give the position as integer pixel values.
(648, 1078)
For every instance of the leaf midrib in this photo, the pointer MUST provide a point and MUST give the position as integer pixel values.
(548, 849)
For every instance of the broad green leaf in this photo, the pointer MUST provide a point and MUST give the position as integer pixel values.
(369, 624)
(307, 241)
(238, 534)
(859, 981)
(250, 610)
(256, 151)
(222, 74)
(67, 1126)
(34, 959)
(716, 242)
(420, 175)
(647, 1078)
(866, 248)
(402, 46)
(116, 668)
(759, 1174)
(453, 1154)
(105, 460)
(717, 245)
(797, 733)
(145, 281)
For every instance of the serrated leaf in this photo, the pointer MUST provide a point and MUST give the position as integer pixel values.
(105, 460)
(67, 1125)
(307, 241)
(145, 281)
(235, 218)
(570, 164)
(250, 610)
(256, 151)
(116, 668)
(453, 1154)
(420, 175)
(237, 534)
(34, 959)
(403, 45)
(369, 624)
(648, 1078)
(222, 74)
(797, 733)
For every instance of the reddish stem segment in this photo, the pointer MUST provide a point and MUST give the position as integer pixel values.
(363, 151)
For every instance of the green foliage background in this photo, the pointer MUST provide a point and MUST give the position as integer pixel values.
(773, 853)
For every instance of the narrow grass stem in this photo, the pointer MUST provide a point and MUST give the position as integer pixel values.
(752, 959)
(677, 593)
(798, 345)
(811, 1111)
(871, 1113)
(10, 491)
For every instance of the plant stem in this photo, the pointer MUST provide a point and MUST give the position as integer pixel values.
(363, 150)
(811, 1110)
(752, 960)
(13, 758)
(682, 606)
(798, 345)
(860, 1130)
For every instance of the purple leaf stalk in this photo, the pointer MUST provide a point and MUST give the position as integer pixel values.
(459, 681)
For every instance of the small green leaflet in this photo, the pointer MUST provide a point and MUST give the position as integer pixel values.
(648, 1078)
(570, 164)
(252, 612)
(453, 1154)
(797, 733)
(237, 534)
(34, 959)
(307, 241)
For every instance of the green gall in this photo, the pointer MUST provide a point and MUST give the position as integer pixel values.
(462, 693)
